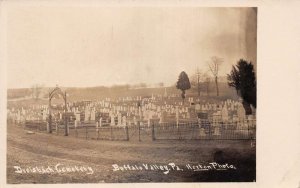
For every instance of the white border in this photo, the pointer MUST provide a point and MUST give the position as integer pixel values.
(278, 59)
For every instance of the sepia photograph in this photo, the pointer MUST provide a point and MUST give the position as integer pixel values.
(131, 94)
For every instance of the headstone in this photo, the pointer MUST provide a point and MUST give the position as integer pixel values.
(112, 120)
(119, 119)
(224, 114)
(217, 131)
(197, 107)
(97, 126)
(134, 120)
(188, 115)
(86, 115)
(202, 132)
(77, 116)
(44, 115)
(124, 121)
(93, 115)
(162, 117)
(100, 122)
(177, 115)
(241, 112)
(235, 118)
(251, 120)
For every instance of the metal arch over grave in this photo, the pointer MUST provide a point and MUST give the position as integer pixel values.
(57, 91)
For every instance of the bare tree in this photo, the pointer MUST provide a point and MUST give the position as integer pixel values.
(198, 73)
(196, 80)
(214, 66)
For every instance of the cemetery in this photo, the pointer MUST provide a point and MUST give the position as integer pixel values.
(139, 118)
(157, 128)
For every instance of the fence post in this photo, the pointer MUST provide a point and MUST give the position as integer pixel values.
(127, 135)
(86, 132)
(139, 131)
(178, 132)
(50, 123)
(153, 133)
(98, 129)
(75, 125)
(111, 133)
(68, 128)
(248, 129)
(66, 125)
(100, 125)
(209, 131)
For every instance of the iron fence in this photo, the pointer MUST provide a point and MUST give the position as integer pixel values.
(200, 130)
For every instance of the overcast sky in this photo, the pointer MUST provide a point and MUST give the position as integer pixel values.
(85, 46)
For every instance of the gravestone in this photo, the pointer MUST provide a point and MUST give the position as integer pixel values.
(251, 120)
(188, 115)
(93, 115)
(44, 115)
(77, 116)
(97, 126)
(202, 132)
(241, 113)
(124, 121)
(224, 114)
(119, 119)
(217, 131)
(112, 120)
(86, 115)
(134, 120)
(197, 107)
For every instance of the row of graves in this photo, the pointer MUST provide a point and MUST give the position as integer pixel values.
(160, 110)
(129, 111)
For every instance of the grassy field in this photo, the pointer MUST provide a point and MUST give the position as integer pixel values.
(41, 149)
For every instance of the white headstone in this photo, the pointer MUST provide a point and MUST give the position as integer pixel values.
(202, 132)
(124, 121)
(112, 120)
(119, 119)
(86, 115)
(77, 115)
(93, 115)
(241, 112)
(217, 131)
(224, 114)
(134, 120)
(197, 107)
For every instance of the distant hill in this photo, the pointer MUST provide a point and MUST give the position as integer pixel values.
(101, 92)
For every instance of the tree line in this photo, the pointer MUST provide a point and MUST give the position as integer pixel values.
(241, 77)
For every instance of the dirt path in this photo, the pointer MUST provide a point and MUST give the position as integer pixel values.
(43, 150)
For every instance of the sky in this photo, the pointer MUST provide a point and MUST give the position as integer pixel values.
(96, 46)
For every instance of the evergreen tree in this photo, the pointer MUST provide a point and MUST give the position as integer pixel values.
(183, 84)
(242, 78)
